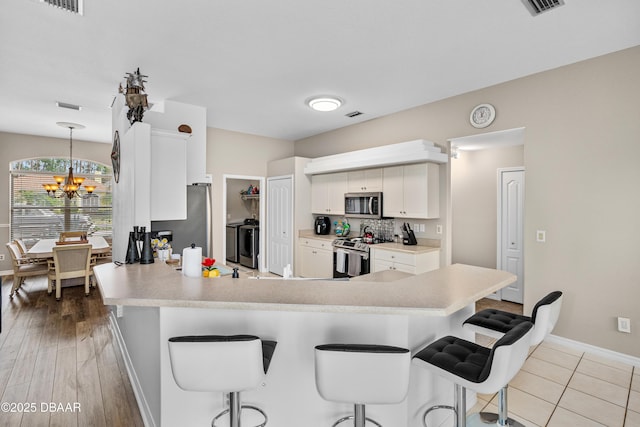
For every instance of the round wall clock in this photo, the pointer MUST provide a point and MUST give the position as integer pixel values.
(482, 115)
(115, 157)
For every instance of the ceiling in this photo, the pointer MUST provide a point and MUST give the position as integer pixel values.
(253, 63)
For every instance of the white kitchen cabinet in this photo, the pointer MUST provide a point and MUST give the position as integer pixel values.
(168, 175)
(327, 193)
(418, 263)
(411, 191)
(316, 258)
(364, 180)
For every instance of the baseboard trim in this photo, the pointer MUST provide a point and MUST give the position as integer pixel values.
(599, 351)
(145, 412)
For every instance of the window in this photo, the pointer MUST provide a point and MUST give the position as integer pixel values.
(36, 215)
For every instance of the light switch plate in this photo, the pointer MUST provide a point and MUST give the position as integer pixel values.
(439, 229)
(624, 325)
(541, 236)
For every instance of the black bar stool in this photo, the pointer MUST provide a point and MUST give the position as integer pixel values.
(362, 374)
(469, 365)
(229, 364)
(495, 323)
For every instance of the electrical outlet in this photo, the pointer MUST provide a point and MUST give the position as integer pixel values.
(624, 325)
(422, 228)
(439, 229)
(119, 311)
(1, 257)
(541, 236)
(416, 227)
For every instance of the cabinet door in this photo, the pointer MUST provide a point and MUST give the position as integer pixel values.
(365, 180)
(323, 264)
(373, 179)
(319, 201)
(393, 191)
(336, 189)
(427, 262)
(168, 176)
(307, 261)
(355, 181)
(421, 190)
(381, 265)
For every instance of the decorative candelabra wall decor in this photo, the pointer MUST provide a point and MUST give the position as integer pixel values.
(135, 97)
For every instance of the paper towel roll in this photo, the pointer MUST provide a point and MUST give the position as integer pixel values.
(192, 262)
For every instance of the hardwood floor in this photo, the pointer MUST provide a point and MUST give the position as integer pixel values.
(61, 359)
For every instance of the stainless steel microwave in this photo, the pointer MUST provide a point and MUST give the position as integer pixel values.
(363, 205)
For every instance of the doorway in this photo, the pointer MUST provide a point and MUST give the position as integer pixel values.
(243, 202)
(473, 214)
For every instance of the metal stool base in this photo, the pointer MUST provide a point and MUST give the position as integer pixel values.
(493, 419)
(235, 411)
(352, 417)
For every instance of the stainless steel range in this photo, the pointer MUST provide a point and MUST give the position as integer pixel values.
(350, 258)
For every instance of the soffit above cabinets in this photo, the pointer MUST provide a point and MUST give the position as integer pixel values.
(417, 151)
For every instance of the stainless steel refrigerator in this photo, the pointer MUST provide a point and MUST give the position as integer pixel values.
(197, 227)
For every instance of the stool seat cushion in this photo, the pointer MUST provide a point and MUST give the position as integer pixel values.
(226, 363)
(460, 357)
(470, 364)
(362, 373)
(497, 320)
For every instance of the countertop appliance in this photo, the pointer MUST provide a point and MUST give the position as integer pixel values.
(363, 205)
(197, 227)
(249, 245)
(350, 258)
(322, 225)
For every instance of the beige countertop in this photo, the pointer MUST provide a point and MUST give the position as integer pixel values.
(436, 293)
(390, 246)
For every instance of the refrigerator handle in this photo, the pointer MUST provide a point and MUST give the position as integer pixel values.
(208, 216)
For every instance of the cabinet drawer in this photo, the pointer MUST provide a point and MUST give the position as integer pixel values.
(316, 243)
(381, 265)
(393, 256)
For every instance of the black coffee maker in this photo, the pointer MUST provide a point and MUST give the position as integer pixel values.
(323, 225)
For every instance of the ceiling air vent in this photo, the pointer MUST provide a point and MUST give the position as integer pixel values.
(67, 105)
(536, 7)
(354, 114)
(73, 6)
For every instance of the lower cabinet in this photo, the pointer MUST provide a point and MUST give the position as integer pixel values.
(316, 257)
(408, 263)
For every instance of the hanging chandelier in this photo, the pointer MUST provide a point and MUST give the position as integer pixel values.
(70, 184)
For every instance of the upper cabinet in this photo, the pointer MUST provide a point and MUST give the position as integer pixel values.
(411, 191)
(168, 175)
(364, 180)
(327, 193)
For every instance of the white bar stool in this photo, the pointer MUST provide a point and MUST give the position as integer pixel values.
(362, 374)
(228, 364)
(469, 365)
(495, 323)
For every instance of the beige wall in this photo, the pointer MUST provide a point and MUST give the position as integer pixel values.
(17, 147)
(581, 157)
(474, 203)
(235, 153)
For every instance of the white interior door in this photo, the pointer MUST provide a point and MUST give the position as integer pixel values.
(511, 231)
(280, 223)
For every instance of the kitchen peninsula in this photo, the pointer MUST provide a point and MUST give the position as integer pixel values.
(155, 302)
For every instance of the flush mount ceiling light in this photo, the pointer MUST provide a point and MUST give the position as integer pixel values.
(324, 103)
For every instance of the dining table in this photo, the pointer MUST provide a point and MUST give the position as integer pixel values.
(43, 249)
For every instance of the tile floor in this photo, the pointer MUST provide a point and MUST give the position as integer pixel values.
(561, 387)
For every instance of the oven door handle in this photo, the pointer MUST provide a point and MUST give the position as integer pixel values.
(364, 255)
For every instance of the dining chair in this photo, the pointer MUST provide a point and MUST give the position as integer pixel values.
(69, 262)
(22, 267)
(22, 247)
